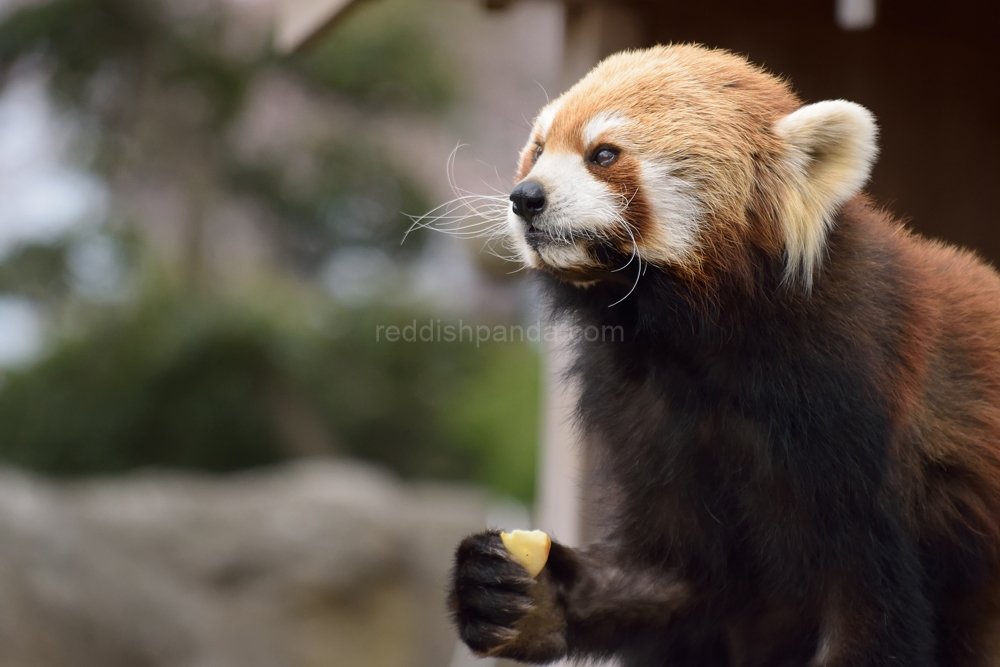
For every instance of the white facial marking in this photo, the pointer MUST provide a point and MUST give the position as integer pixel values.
(581, 207)
(520, 246)
(565, 256)
(600, 124)
(576, 202)
(578, 207)
(545, 118)
(676, 210)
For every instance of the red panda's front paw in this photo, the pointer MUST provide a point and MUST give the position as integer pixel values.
(500, 610)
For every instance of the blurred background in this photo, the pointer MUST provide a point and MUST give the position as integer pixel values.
(210, 457)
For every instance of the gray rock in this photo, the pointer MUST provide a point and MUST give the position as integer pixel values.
(318, 563)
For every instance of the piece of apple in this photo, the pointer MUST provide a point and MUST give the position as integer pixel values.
(530, 548)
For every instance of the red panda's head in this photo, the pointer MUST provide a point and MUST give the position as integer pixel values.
(682, 157)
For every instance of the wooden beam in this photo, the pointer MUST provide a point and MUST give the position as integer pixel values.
(299, 23)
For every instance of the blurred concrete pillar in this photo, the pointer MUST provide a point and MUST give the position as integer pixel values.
(593, 30)
(558, 500)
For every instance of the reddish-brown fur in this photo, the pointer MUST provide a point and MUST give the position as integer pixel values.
(703, 88)
(796, 472)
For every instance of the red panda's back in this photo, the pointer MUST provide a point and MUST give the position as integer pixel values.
(949, 452)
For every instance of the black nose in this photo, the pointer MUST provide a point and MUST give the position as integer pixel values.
(529, 199)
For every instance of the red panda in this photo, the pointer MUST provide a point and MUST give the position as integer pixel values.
(798, 443)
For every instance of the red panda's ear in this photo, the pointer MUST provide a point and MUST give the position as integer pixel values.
(830, 149)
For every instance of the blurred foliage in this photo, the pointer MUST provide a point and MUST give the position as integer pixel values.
(197, 382)
(183, 373)
(160, 94)
(78, 37)
(432, 409)
(497, 419)
(165, 386)
(35, 271)
(354, 198)
(376, 56)
(130, 40)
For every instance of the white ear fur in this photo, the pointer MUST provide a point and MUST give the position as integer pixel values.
(831, 147)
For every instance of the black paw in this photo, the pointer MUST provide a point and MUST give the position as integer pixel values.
(489, 593)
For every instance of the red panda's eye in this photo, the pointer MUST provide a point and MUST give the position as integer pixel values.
(604, 156)
(537, 154)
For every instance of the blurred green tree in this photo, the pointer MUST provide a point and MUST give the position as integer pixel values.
(160, 95)
(188, 372)
(195, 381)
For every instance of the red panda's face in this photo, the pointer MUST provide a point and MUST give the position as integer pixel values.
(583, 195)
(676, 157)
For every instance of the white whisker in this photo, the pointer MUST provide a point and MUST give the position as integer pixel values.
(635, 247)
(468, 215)
(544, 91)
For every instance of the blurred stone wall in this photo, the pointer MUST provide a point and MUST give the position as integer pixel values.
(318, 563)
